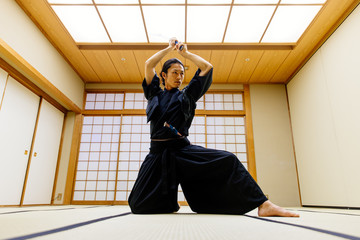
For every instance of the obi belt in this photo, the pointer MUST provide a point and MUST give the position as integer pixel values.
(168, 160)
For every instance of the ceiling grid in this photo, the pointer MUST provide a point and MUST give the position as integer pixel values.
(194, 21)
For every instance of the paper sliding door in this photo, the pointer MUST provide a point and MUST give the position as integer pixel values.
(43, 162)
(17, 121)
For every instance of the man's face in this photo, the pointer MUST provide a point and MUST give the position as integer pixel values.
(174, 76)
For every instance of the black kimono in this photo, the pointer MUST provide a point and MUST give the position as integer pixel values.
(213, 181)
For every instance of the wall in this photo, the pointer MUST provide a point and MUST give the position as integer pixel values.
(274, 153)
(22, 35)
(64, 157)
(325, 111)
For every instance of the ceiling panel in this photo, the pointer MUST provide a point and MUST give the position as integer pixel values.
(116, 1)
(290, 22)
(83, 23)
(192, 21)
(102, 65)
(244, 65)
(206, 23)
(303, 1)
(70, 1)
(239, 29)
(209, 1)
(256, 1)
(269, 63)
(223, 63)
(162, 2)
(126, 65)
(115, 16)
(173, 27)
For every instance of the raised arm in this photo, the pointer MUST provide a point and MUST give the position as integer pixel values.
(201, 63)
(151, 63)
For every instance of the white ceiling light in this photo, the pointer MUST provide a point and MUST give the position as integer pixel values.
(116, 1)
(248, 23)
(302, 1)
(70, 1)
(124, 23)
(162, 2)
(82, 22)
(256, 1)
(208, 1)
(289, 23)
(164, 22)
(206, 23)
(206, 20)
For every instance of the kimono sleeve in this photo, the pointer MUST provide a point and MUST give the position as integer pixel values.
(193, 92)
(199, 85)
(152, 89)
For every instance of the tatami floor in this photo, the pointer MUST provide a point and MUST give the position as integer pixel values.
(116, 222)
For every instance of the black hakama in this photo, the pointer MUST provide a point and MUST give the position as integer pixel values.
(213, 181)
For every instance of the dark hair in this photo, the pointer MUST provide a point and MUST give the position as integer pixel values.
(167, 65)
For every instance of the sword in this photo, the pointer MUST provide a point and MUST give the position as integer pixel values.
(172, 128)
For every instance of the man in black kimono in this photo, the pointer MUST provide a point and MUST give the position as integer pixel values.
(213, 181)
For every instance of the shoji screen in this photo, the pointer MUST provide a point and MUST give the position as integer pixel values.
(98, 159)
(227, 133)
(113, 145)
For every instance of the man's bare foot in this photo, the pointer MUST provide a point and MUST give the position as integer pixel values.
(268, 209)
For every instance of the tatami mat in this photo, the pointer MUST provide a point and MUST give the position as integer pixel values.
(116, 222)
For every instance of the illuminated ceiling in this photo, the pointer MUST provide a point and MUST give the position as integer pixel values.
(247, 41)
(191, 21)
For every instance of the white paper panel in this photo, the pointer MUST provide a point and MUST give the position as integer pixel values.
(248, 23)
(121, 23)
(82, 22)
(206, 23)
(116, 1)
(289, 23)
(256, 1)
(70, 1)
